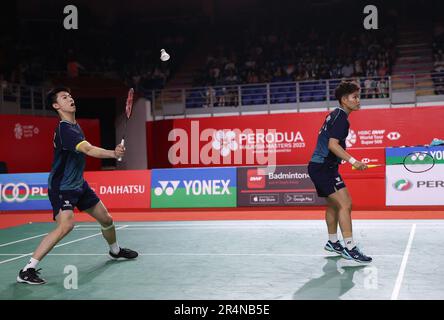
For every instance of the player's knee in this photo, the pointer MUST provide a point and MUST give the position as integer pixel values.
(345, 206)
(107, 222)
(66, 227)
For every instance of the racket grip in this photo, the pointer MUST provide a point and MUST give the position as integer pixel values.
(370, 166)
(122, 143)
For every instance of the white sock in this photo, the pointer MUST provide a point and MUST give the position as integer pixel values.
(114, 248)
(349, 243)
(333, 237)
(32, 264)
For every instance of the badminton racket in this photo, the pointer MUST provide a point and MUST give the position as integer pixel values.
(370, 166)
(128, 110)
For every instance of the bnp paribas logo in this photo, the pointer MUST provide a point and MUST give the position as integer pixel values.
(402, 185)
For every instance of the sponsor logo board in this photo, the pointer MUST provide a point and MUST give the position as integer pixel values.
(27, 191)
(285, 186)
(193, 188)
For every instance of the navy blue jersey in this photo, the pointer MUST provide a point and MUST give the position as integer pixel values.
(68, 163)
(336, 126)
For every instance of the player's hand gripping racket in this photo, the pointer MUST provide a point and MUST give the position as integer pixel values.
(415, 162)
(128, 109)
(370, 166)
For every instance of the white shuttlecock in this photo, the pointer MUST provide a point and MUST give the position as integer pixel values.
(164, 56)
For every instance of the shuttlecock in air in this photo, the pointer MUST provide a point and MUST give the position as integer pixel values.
(164, 56)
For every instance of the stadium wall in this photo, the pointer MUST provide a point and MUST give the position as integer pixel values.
(28, 142)
(283, 139)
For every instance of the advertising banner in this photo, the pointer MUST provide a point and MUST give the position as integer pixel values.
(30, 142)
(285, 139)
(27, 191)
(129, 189)
(193, 188)
(117, 189)
(370, 156)
(406, 184)
(286, 186)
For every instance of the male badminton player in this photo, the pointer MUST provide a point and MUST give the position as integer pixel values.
(67, 188)
(323, 171)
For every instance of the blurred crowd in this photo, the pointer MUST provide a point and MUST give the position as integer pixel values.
(298, 56)
(35, 56)
(438, 58)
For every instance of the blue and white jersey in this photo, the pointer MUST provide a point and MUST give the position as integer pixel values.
(68, 163)
(336, 126)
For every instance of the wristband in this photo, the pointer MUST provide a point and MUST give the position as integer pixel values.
(352, 160)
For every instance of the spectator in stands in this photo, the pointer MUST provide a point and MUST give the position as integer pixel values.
(358, 68)
(210, 97)
(382, 89)
(232, 96)
(382, 70)
(439, 62)
(347, 70)
(368, 84)
(438, 76)
(221, 99)
(252, 77)
(231, 78)
(73, 66)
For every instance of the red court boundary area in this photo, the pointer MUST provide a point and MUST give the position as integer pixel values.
(15, 218)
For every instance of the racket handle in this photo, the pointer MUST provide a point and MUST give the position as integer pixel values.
(122, 143)
(370, 166)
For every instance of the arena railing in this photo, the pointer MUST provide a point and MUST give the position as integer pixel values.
(296, 96)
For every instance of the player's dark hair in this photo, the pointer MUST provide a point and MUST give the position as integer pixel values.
(51, 96)
(345, 88)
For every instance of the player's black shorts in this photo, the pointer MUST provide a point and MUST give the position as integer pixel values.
(326, 178)
(82, 198)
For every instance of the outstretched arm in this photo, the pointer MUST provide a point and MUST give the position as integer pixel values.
(97, 152)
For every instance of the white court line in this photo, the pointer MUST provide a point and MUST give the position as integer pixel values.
(236, 227)
(275, 225)
(59, 245)
(203, 228)
(135, 227)
(398, 283)
(21, 240)
(40, 235)
(209, 254)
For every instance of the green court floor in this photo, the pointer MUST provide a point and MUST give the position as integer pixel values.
(237, 260)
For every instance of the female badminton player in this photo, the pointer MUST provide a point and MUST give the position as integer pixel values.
(323, 171)
(67, 188)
